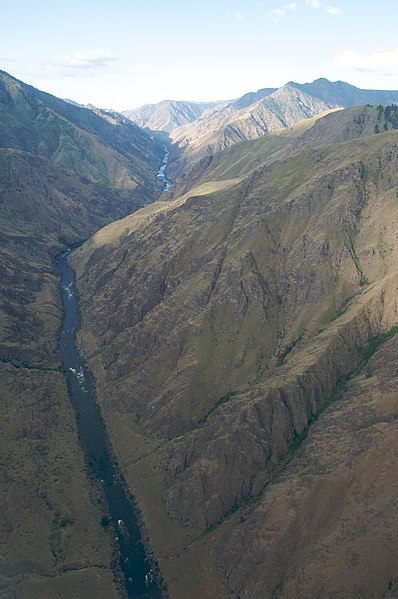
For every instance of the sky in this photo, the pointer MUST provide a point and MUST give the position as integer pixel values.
(123, 54)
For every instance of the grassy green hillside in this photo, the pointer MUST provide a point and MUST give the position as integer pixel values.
(225, 328)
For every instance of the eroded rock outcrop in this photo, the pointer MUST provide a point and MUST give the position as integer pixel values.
(327, 527)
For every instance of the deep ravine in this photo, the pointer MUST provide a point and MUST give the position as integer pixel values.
(140, 578)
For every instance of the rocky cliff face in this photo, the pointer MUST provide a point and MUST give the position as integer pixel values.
(325, 527)
(97, 148)
(225, 329)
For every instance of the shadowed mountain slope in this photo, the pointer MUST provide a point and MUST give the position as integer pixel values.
(114, 153)
(236, 335)
(64, 172)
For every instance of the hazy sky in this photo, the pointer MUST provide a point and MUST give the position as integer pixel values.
(124, 53)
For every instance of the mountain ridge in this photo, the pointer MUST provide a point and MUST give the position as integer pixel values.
(279, 109)
(167, 115)
(345, 94)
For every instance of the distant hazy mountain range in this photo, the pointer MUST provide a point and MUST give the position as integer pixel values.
(205, 128)
(168, 115)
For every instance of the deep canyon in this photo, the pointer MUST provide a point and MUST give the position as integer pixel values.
(233, 375)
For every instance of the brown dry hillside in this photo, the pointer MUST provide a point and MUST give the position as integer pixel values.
(223, 127)
(242, 341)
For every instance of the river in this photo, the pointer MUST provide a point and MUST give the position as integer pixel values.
(140, 580)
(162, 171)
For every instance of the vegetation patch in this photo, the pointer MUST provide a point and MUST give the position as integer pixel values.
(388, 114)
(281, 358)
(221, 401)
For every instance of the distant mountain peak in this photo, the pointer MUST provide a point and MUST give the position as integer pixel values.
(168, 115)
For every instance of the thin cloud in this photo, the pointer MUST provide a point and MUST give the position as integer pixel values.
(373, 62)
(278, 13)
(333, 10)
(78, 64)
(236, 15)
(320, 5)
